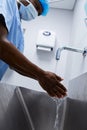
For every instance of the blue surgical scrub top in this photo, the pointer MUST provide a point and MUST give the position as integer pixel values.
(9, 9)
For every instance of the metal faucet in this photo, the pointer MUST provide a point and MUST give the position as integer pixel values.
(58, 53)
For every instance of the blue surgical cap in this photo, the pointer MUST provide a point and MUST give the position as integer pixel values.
(45, 6)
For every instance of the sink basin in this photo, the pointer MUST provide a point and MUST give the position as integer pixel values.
(26, 109)
(39, 107)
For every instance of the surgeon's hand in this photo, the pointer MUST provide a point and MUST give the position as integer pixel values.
(50, 82)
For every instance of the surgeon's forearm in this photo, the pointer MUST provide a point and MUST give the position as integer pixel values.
(18, 61)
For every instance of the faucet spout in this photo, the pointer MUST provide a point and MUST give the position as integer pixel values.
(58, 53)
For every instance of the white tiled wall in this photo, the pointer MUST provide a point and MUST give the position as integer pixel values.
(77, 62)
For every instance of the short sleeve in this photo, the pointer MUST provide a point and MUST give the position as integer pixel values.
(6, 10)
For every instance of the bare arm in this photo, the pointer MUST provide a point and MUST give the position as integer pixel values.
(49, 81)
(15, 59)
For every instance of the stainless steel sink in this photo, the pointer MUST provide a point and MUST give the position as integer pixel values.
(25, 109)
(40, 109)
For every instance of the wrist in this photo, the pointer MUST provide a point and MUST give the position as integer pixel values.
(40, 74)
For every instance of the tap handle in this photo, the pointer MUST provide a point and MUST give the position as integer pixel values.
(58, 54)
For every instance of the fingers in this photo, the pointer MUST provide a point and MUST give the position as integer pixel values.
(57, 92)
(59, 78)
(60, 91)
(59, 84)
(61, 87)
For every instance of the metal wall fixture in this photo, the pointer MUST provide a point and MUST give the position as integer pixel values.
(59, 50)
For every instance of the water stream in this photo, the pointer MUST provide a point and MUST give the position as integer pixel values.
(58, 104)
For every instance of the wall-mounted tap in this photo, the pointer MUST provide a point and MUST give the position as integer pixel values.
(58, 53)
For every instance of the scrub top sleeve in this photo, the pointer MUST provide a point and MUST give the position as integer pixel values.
(7, 12)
